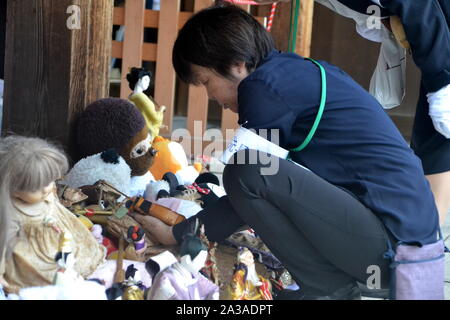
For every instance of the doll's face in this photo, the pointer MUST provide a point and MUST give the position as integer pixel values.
(36, 196)
(138, 153)
(199, 261)
(144, 83)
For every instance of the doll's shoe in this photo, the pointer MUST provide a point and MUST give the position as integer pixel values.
(135, 233)
(207, 177)
(163, 194)
(172, 180)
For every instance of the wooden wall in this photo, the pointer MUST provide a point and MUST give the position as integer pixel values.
(2, 37)
(53, 72)
(335, 39)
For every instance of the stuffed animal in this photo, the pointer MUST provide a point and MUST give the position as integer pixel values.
(171, 157)
(114, 123)
(107, 166)
(139, 81)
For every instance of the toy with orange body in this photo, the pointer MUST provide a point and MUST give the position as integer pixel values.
(171, 157)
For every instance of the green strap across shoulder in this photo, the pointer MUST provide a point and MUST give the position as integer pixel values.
(323, 100)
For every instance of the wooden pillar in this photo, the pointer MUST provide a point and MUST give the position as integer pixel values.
(197, 96)
(133, 40)
(165, 73)
(281, 25)
(57, 61)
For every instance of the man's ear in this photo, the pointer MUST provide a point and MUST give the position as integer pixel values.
(239, 70)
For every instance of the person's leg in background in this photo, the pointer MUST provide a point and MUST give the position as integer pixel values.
(324, 237)
(433, 149)
(440, 185)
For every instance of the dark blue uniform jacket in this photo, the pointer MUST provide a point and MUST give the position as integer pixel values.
(356, 147)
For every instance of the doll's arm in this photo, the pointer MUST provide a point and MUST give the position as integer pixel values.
(146, 106)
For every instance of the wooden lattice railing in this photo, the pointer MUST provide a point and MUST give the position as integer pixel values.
(133, 50)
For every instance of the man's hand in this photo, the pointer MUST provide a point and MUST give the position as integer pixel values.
(156, 228)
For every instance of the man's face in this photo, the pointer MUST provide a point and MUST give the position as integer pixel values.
(221, 89)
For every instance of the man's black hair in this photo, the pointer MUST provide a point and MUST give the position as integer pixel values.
(218, 38)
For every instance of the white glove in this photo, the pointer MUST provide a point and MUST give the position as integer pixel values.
(439, 111)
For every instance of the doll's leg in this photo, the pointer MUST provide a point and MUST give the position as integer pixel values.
(433, 149)
(440, 185)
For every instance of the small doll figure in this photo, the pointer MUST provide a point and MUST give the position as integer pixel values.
(32, 220)
(139, 81)
(246, 284)
(136, 235)
(66, 274)
(133, 288)
(182, 280)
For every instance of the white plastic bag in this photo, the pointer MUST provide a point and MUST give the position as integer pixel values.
(389, 79)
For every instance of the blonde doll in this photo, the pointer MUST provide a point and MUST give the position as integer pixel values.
(32, 220)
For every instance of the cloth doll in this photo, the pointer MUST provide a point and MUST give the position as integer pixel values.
(114, 123)
(32, 219)
(65, 260)
(139, 81)
(182, 280)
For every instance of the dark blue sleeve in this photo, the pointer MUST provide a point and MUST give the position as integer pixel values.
(427, 30)
(262, 107)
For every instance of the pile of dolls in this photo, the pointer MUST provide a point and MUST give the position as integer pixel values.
(125, 168)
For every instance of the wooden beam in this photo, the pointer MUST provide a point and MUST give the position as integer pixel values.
(133, 40)
(165, 74)
(52, 71)
(98, 53)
